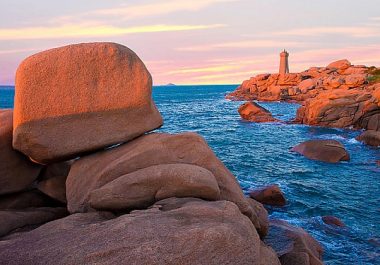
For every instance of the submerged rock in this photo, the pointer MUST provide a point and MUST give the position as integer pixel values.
(332, 220)
(174, 231)
(252, 111)
(293, 245)
(330, 151)
(270, 195)
(17, 172)
(370, 137)
(80, 98)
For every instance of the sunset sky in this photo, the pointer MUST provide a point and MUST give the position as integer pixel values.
(197, 41)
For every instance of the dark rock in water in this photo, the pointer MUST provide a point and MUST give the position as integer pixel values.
(293, 245)
(332, 220)
(370, 137)
(170, 84)
(17, 172)
(11, 220)
(330, 151)
(173, 231)
(270, 195)
(252, 111)
(52, 180)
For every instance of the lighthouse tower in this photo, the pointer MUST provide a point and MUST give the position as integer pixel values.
(284, 64)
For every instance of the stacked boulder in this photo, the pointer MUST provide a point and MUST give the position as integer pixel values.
(83, 114)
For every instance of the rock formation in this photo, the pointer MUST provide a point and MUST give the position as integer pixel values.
(339, 95)
(88, 96)
(172, 200)
(330, 151)
(252, 111)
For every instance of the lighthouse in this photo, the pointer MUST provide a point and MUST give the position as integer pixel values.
(284, 64)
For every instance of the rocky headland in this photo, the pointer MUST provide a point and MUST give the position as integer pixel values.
(85, 181)
(339, 95)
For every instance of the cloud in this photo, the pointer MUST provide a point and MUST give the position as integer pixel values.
(241, 45)
(128, 12)
(85, 30)
(219, 68)
(357, 32)
(158, 8)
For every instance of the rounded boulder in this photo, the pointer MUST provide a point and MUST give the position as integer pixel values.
(80, 98)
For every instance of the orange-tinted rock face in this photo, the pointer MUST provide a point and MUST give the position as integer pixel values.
(342, 108)
(251, 111)
(17, 172)
(80, 98)
(330, 151)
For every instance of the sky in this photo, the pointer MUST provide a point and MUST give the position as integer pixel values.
(197, 41)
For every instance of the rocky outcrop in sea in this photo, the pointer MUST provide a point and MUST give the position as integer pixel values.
(338, 95)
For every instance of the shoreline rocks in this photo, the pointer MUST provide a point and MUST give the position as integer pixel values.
(293, 245)
(330, 151)
(332, 220)
(253, 112)
(370, 137)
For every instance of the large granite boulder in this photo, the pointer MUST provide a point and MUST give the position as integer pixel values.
(341, 64)
(293, 245)
(80, 98)
(142, 188)
(330, 151)
(173, 231)
(17, 172)
(94, 171)
(252, 111)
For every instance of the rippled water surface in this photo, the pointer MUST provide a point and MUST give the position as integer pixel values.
(258, 154)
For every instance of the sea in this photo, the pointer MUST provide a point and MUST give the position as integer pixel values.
(258, 154)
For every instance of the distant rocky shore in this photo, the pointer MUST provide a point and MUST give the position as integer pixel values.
(83, 180)
(339, 95)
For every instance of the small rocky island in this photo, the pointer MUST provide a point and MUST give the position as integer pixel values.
(84, 180)
(339, 95)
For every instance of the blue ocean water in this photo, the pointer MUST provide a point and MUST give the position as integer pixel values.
(258, 154)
